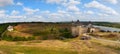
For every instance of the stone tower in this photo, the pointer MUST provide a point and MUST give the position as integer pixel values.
(77, 28)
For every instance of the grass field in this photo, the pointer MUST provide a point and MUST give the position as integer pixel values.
(31, 50)
(73, 46)
(67, 46)
(35, 47)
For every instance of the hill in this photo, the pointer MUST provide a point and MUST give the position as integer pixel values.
(43, 30)
(39, 30)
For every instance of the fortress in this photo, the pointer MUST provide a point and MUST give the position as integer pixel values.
(78, 28)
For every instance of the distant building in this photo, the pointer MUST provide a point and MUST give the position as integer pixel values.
(94, 29)
(10, 28)
(78, 28)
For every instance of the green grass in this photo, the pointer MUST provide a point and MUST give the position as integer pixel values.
(33, 50)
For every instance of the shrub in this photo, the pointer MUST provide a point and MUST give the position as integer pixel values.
(65, 33)
(19, 39)
(6, 37)
(16, 38)
(31, 38)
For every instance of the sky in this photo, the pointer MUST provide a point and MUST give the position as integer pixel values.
(59, 10)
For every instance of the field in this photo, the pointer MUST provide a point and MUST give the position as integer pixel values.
(107, 35)
(70, 46)
(32, 47)
(47, 43)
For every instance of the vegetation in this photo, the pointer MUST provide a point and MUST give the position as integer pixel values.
(47, 30)
(65, 33)
(32, 50)
(59, 47)
(106, 35)
(17, 38)
(40, 30)
(3, 27)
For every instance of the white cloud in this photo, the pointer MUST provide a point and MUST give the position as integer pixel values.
(14, 12)
(102, 14)
(2, 13)
(56, 1)
(69, 10)
(90, 12)
(46, 12)
(112, 1)
(71, 5)
(6, 2)
(19, 3)
(73, 2)
(15, 16)
(72, 8)
(61, 12)
(95, 4)
(30, 11)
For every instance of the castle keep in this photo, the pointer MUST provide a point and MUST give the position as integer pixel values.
(78, 28)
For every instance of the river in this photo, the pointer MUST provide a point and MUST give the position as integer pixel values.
(108, 28)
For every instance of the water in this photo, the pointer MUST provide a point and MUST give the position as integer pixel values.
(108, 28)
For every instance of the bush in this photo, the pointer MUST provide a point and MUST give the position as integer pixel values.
(16, 38)
(6, 37)
(19, 39)
(65, 33)
(31, 38)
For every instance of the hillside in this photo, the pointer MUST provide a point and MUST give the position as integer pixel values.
(40, 30)
(44, 30)
(45, 38)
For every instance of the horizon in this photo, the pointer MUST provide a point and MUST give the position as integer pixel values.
(55, 22)
(59, 10)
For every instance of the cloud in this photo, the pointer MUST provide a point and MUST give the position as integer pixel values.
(95, 4)
(62, 12)
(16, 16)
(19, 3)
(65, 10)
(90, 12)
(14, 12)
(72, 8)
(71, 5)
(30, 11)
(46, 12)
(6, 2)
(112, 1)
(73, 2)
(2, 13)
(101, 14)
(56, 1)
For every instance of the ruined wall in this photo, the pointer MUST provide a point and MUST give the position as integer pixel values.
(78, 30)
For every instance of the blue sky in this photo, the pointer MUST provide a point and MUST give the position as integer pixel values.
(59, 10)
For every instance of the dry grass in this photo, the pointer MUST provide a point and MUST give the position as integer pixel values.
(74, 46)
